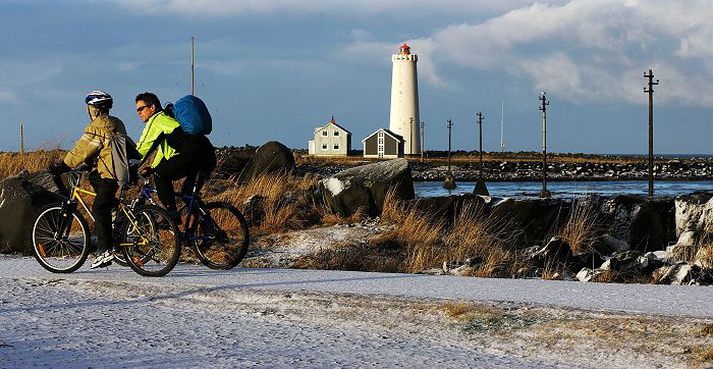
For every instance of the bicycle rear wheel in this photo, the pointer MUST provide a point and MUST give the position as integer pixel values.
(150, 241)
(60, 244)
(221, 237)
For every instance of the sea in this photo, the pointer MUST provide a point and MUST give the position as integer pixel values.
(566, 189)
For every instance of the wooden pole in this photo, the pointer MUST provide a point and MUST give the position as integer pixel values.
(22, 138)
(544, 193)
(423, 140)
(650, 91)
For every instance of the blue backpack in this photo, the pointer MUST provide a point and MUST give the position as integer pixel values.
(193, 115)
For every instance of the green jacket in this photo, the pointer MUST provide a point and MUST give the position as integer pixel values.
(156, 125)
(93, 147)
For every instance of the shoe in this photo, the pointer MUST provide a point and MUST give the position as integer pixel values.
(103, 260)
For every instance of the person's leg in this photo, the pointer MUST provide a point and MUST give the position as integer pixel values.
(200, 170)
(101, 209)
(165, 173)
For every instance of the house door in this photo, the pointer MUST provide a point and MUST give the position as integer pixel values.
(380, 144)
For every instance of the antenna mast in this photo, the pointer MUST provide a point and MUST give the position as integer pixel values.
(192, 66)
(502, 124)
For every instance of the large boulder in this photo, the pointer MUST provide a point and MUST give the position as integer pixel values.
(445, 209)
(270, 158)
(644, 224)
(20, 199)
(536, 217)
(364, 188)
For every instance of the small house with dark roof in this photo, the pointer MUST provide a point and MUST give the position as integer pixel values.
(383, 144)
(330, 139)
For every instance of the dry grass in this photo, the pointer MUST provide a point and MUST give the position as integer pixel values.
(705, 254)
(458, 309)
(13, 163)
(706, 330)
(484, 239)
(286, 203)
(353, 256)
(582, 227)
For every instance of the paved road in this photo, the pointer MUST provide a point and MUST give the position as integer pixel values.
(693, 301)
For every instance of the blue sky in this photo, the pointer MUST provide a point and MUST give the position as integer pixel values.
(275, 69)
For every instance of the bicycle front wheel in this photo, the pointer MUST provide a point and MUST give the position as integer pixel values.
(60, 243)
(150, 241)
(221, 236)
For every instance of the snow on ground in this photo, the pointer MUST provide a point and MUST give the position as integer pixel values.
(64, 323)
(295, 318)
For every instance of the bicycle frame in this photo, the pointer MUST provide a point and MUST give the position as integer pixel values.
(76, 198)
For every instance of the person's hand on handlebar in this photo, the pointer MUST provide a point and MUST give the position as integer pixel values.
(146, 171)
(58, 168)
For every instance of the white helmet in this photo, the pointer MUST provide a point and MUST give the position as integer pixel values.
(99, 99)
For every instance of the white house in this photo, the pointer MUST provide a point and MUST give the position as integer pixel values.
(330, 139)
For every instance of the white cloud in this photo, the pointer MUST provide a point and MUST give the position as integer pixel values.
(584, 50)
(7, 96)
(231, 8)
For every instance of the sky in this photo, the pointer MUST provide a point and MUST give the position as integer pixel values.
(276, 69)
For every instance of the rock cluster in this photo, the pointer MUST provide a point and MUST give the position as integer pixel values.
(532, 170)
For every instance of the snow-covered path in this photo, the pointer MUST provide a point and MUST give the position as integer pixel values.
(691, 301)
(197, 317)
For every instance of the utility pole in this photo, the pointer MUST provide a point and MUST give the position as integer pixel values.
(480, 188)
(449, 125)
(410, 136)
(423, 140)
(650, 91)
(193, 68)
(502, 124)
(449, 183)
(22, 139)
(543, 107)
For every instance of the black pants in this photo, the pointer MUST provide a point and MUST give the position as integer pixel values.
(195, 167)
(103, 203)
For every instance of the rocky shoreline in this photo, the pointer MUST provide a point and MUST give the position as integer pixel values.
(673, 170)
(522, 166)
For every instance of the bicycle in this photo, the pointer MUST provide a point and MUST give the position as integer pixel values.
(217, 230)
(148, 238)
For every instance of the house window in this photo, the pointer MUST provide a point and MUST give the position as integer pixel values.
(324, 146)
(336, 146)
(324, 133)
(336, 133)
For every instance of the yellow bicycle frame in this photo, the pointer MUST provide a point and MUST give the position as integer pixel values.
(77, 195)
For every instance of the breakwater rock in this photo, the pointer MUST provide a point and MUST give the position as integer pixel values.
(566, 171)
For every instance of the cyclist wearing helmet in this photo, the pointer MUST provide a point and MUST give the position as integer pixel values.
(93, 149)
(178, 154)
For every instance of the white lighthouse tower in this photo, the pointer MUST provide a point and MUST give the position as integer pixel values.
(404, 119)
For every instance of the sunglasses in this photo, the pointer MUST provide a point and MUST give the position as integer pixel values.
(141, 108)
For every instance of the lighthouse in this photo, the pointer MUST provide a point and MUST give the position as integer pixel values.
(404, 119)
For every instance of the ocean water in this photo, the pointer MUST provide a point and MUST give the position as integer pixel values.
(567, 189)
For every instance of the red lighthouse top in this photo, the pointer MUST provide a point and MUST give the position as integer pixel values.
(405, 49)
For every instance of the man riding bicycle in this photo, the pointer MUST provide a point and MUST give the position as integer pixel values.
(94, 150)
(178, 154)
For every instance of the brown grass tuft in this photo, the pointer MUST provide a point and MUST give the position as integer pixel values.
(707, 330)
(13, 163)
(285, 202)
(582, 228)
(457, 309)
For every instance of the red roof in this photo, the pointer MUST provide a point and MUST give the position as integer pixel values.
(405, 49)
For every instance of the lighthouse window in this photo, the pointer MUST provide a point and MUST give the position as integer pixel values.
(324, 146)
(336, 133)
(324, 133)
(336, 146)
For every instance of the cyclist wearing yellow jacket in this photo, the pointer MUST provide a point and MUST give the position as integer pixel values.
(93, 149)
(178, 154)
